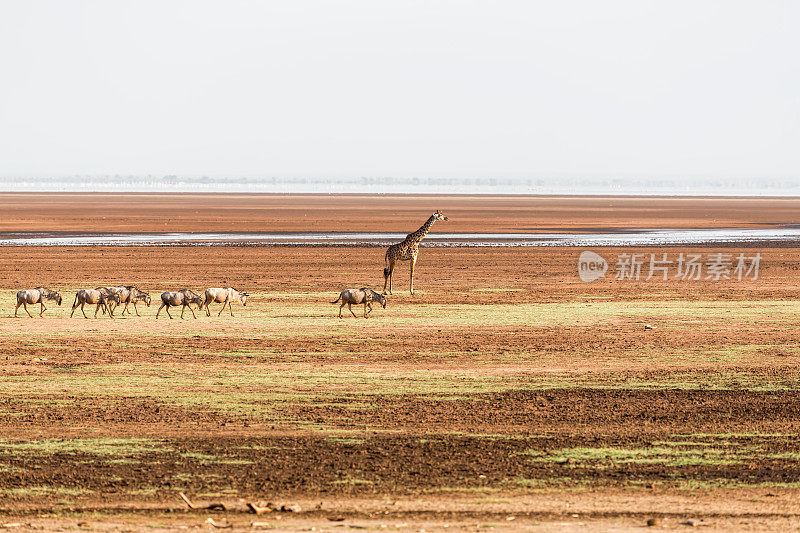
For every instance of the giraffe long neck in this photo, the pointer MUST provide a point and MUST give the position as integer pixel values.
(422, 231)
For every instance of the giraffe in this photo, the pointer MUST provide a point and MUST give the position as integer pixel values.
(408, 250)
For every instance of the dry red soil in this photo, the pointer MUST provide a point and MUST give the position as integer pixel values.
(264, 212)
(714, 400)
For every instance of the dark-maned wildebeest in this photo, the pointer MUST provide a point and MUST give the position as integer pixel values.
(363, 295)
(94, 297)
(128, 294)
(108, 291)
(36, 296)
(225, 297)
(184, 298)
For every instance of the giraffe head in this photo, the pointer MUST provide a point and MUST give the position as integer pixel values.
(439, 216)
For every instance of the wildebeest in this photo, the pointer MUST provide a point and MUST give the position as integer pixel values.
(225, 297)
(129, 294)
(36, 296)
(92, 297)
(184, 298)
(108, 291)
(358, 296)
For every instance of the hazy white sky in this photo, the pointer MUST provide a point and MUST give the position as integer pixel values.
(401, 88)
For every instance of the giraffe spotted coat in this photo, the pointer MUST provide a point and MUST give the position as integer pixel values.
(408, 250)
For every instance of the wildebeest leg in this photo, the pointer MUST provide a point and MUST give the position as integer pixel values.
(134, 308)
(192, 311)
(41, 303)
(82, 311)
(159, 310)
(366, 305)
(73, 310)
(350, 307)
(169, 315)
(96, 309)
(183, 308)
(226, 302)
(25, 306)
(340, 309)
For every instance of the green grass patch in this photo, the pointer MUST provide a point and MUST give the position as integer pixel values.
(44, 491)
(349, 480)
(103, 446)
(582, 457)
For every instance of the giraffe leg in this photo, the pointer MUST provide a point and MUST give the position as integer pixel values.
(413, 262)
(387, 276)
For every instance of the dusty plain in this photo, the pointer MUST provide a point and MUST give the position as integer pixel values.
(106, 212)
(505, 395)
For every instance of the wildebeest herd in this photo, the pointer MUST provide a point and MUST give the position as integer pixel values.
(106, 299)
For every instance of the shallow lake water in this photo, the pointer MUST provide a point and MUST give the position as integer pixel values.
(629, 237)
